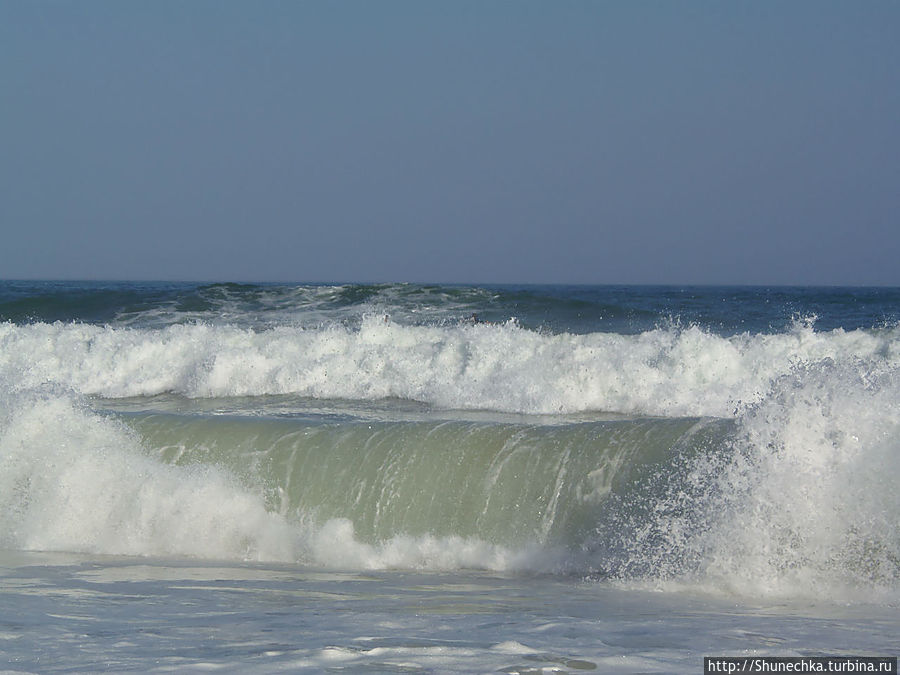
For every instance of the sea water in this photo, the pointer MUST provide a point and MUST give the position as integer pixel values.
(410, 478)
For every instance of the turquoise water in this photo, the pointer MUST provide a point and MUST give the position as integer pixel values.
(410, 478)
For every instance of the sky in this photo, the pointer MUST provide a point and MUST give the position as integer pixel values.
(479, 141)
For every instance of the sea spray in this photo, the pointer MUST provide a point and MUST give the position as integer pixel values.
(800, 501)
(820, 509)
(71, 480)
(671, 372)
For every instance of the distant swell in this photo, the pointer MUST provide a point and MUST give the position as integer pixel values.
(674, 371)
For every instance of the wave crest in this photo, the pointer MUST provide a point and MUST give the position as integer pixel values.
(670, 372)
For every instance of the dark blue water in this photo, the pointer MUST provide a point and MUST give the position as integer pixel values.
(557, 309)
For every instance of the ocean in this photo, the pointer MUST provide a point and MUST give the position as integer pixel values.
(408, 478)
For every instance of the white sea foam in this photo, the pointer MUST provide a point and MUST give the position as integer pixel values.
(499, 367)
(816, 474)
(803, 502)
(73, 481)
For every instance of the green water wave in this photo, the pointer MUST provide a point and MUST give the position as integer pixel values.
(509, 484)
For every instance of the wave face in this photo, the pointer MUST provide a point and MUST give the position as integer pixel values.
(511, 484)
(726, 438)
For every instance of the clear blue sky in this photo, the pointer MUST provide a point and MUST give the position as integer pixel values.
(573, 142)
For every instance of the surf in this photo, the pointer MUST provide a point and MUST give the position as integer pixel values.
(675, 371)
(380, 431)
(793, 497)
